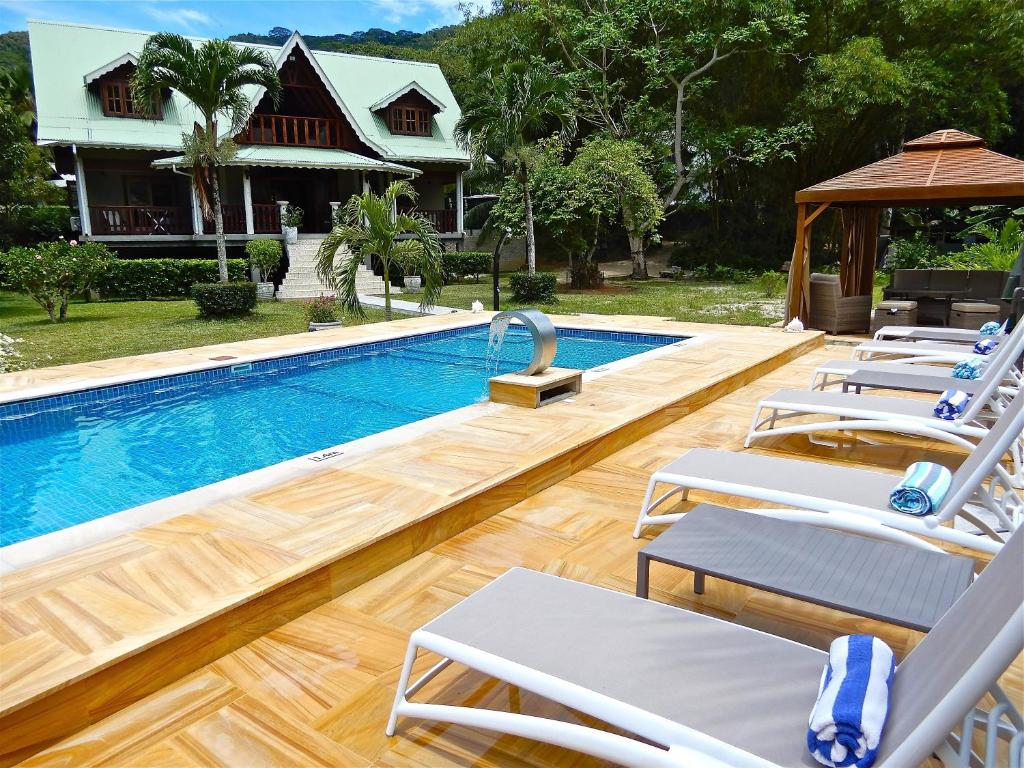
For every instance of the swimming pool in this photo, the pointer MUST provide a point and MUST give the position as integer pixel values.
(72, 458)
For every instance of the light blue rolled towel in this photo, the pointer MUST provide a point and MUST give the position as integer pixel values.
(922, 489)
(951, 404)
(985, 346)
(848, 719)
(969, 369)
(992, 328)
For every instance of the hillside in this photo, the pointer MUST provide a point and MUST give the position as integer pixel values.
(13, 50)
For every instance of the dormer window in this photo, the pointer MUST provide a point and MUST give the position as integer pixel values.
(118, 101)
(409, 120)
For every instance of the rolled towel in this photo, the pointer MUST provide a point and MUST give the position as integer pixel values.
(848, 718)
(992, 328)
(969, 368)
(922, 489)
(985, 346)
(951, 404)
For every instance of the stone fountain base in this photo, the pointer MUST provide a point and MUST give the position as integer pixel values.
(540, 389)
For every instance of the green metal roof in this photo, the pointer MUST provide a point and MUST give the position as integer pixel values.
(300, 157)
(63, 54)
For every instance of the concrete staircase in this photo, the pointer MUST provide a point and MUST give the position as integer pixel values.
(302, 282)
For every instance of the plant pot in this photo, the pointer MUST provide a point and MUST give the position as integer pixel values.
(265, 291)
(413, 283)
(291, 234)
(324, 326)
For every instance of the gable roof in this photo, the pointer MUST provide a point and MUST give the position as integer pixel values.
(110, 66)
(947, 166)
(63, 54)
(413, 86)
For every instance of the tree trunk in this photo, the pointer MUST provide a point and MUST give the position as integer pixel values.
(64, 308)
(636, 253)
(531, 243)
(496, 271)
(387, 292)
(218, 223)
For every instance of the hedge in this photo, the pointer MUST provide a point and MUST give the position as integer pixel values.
(162, 278)
(224, 299)
(538, 287)
(458, 265)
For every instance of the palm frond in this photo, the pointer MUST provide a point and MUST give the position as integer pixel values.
(341, 273)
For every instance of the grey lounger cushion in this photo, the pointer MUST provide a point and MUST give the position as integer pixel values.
(691, 669)
(883, 580)
(818, 482)
(886, 407)
(917, 348)
(848, 365)
(933, 384)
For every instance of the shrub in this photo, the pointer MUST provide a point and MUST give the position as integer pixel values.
(771, 284)
(26, 224)
(292, 216)
(912, 254)
(458, 265)
(322, 309)
(264, 255)
(224, 299)
(538, 287)
(161, 278)
(51, 273)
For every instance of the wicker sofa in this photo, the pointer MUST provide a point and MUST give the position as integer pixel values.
(832, 312)
(984, 285)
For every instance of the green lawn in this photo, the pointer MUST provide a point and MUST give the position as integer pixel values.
(699, 302)
(95, 331)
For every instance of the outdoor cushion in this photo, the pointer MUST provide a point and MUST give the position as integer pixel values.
(975, 307)
(903, 306)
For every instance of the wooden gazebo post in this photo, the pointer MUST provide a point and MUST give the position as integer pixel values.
(799, 288)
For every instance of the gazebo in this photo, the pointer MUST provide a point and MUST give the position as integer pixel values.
(944, 168)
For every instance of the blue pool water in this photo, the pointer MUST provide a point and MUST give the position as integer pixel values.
(72, 458)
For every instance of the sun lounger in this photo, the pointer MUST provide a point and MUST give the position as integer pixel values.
(982, 490)
(925, 333)
(850, 412)
(920, 352)
(690, 690)
(1002, 360)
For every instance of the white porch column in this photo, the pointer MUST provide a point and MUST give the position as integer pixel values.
(394, 203)
(334, 212)
(366, 181)
(458, 202)
(250, 226)
(197, 212)
(83, 197)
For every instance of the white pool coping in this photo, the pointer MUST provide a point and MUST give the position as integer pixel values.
(48, 546)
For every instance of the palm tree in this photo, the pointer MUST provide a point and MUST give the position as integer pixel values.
(505, 117)
(213, 77)
(368, 227)
(16, 90)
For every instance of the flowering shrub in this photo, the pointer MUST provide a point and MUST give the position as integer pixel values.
(322, 309)
(51, 273)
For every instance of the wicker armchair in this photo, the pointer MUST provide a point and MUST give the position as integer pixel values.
(835, 313)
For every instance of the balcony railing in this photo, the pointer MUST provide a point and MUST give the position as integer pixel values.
(295, 131)
(443, 219)
(140, 220)
(266, 219)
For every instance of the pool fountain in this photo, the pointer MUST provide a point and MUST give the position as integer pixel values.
(537, 384)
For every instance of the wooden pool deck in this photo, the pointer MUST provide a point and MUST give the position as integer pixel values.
(87, 634)
(316, 691)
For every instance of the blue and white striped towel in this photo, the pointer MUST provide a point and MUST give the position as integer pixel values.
(985, 346)
(848, 718)
(992, 328)
(969, 368)
(922, 489)
(951, 404)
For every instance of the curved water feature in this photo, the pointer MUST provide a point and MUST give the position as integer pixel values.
(545, 342)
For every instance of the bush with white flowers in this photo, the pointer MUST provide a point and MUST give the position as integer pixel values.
(51, 273)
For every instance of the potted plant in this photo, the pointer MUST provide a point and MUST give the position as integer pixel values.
(264, 259)
(290, 221)
(413, 283)
(322, 313)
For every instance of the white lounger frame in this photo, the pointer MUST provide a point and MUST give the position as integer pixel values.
(684, 747)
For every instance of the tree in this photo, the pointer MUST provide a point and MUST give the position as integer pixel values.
(52, 273)
(507, 114)
(16, 91)
(24, 168)
(212, 77)
(368, 228)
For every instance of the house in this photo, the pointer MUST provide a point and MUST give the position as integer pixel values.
(344, 124)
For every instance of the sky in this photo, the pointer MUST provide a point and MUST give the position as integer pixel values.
(220, 18)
